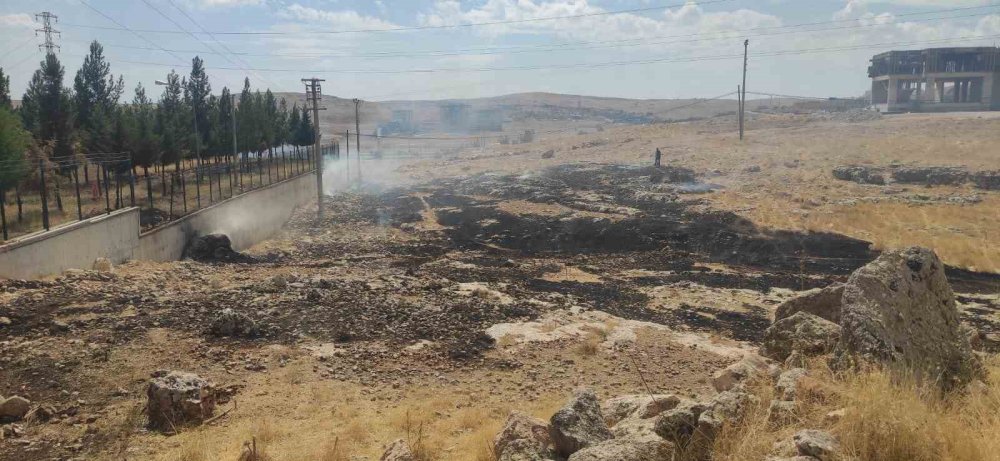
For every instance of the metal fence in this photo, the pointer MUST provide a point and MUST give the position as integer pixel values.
(51, 193)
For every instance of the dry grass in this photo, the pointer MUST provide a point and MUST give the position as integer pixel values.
(884, 419)
(337, 422)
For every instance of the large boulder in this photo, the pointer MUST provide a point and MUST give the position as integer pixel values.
(213, 247)
(177, 398)
(900, 311)
(521, 450)
(520, 426)
(14, 408)
(398, 450)
(626, 449)
(739, 372)
(641, 406)
(234, 324)
(821, 302)
(678, 424)
(802, 332)
(579, 424)
(818, 444)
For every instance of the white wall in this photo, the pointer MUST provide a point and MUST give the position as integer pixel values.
(247, 219)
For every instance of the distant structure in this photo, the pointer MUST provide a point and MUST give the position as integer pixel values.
(488, 120)
(936, 80)
(401, 123)
(455, 117)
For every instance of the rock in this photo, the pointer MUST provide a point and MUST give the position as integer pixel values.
(521, 450)
(213, 247)
(794, 458)
(818, 444)
(729, 377)
(788, 383)
(639, 406)
(678, 424)
(177, 398)
(835, 415)
(398, 450)
(520, 426)
(803, 332)
(989, 180)
(579, 424)
(549, 154)
(821, 302)
(932, 175)
(103, 265)
(782, 410)
(230, 323)
(642, 449)
(5, 321)
(635, 428)
(859, 174)
(899, 310)
(14, 408)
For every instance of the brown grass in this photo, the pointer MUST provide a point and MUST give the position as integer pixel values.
(884, 419)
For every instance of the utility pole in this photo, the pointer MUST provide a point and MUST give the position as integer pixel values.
(314, 93)
(743, 94)
(47, 19)
(357, 133)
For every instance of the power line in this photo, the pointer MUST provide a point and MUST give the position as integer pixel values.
(590, 65)
(576, 46)
(109, 18)
(453, 26)
(196, 23)
(18, 47)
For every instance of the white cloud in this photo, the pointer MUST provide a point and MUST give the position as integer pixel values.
(338, 20)
(225, 3)
(17, 20)
(934, 3)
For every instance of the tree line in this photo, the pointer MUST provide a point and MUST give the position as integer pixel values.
(66, 125)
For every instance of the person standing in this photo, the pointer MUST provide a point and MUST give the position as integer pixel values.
(656, 157)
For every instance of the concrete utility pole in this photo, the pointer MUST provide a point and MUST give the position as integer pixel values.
(743, 94)
(47, 19)
(314, 93)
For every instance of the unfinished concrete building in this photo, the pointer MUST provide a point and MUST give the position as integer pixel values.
(936, 80)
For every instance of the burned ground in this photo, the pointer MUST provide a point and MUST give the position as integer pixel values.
(434, 266)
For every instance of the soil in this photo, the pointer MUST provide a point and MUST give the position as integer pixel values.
(496, 287)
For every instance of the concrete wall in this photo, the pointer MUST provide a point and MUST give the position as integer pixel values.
(247, 219)
(74, 245)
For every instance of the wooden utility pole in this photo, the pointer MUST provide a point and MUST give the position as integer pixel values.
(314, 93)
(357, 133)
(743, 93)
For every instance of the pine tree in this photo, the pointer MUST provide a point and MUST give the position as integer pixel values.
(224, 122)
(4, 91)
(145, 146)
(196, 93)
(96, 95)
(168, 120)
(14, 141)
(292, 129)
(48, 108)
(305, 135)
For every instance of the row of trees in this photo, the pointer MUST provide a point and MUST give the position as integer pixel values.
(90, 119)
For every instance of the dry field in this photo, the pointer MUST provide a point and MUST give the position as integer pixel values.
(794, 188)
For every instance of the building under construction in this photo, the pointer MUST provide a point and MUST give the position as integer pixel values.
(936, 80)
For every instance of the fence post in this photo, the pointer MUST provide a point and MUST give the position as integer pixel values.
(76, 183)
(107, 193)
(44, 195)
(197, 182)
(229, 169)
(170, 210)
(184, 194)
(131, 181)
(149, 190)
(210, 193)
(20, 203)
(3, 211)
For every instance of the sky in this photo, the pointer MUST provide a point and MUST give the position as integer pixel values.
(440, 49)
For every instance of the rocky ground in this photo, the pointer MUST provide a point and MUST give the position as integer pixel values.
(449, 301)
